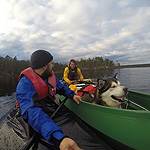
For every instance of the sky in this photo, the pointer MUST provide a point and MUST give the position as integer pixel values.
(118, 30)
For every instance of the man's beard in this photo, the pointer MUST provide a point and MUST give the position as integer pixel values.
(47, 73)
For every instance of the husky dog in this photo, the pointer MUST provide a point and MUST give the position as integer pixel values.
(108, 93)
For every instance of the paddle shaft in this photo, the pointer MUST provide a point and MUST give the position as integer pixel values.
(129, 101)
(59, 107)
(78, 81)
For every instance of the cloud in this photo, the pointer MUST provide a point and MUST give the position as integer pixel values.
(76, 29)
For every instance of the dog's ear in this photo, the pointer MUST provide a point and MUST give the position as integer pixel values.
(100, 83)
(116, 76)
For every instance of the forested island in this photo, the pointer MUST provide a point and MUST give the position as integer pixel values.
(12, 66)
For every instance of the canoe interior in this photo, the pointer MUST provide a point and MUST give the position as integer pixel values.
(130, 128)
(142, 99)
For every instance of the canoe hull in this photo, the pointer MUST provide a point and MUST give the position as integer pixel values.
(129, 127)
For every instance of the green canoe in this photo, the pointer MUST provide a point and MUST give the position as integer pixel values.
(121, 128)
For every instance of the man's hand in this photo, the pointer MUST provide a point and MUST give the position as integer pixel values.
(76, 98)
(68, 144)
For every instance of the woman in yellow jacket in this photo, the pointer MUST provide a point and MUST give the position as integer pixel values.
(71, 74)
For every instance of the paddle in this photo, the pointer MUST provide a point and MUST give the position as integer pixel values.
(129, 101)
(62, 103)
(80, 82)
(30, 142)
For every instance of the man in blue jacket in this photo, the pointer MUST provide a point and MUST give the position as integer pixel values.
(36, 92)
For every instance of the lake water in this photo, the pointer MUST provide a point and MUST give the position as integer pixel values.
(137, 79)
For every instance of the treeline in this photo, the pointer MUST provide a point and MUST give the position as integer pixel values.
(95, 63)
(12, 66)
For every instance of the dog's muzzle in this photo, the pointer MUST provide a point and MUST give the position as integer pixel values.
(120, 99)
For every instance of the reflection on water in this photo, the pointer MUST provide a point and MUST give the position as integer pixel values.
(137, 79)
(96, 74)
(7, 93)
(133, 78)
(6, 103)
(7, 85)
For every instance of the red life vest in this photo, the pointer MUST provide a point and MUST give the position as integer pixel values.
(89, 89)
(40, 86)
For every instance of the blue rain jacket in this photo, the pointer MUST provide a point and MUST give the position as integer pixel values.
(38, 120)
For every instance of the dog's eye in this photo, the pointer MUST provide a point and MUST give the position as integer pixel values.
(113, 86)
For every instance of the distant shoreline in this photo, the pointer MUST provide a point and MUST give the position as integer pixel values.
(134, 66)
